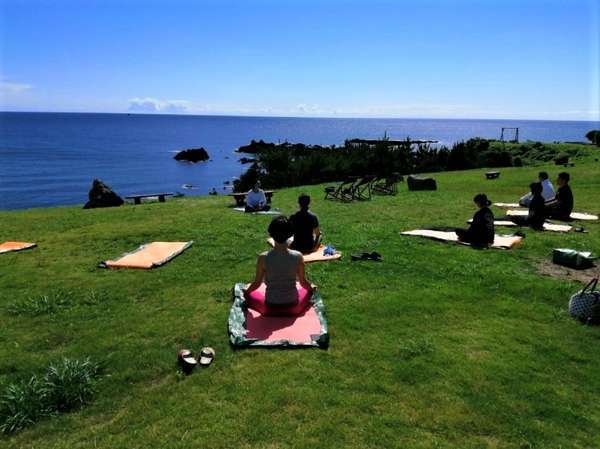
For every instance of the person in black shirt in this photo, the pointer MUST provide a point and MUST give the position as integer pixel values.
(562, 206)
(307, 234)
(481, 231)
(537, 209)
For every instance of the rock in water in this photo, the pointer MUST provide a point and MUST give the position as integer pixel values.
(192, 155)
(102, 196)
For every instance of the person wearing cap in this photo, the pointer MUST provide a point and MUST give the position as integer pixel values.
(537, 209)
(547, 190)
(481, 230)
(256, 199)
(307, 234)
(562, 206)
(280, 268)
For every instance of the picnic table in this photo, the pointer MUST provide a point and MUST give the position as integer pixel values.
(240, 197)
(137, 199)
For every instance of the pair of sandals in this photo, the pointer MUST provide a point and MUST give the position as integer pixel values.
(374, 256)
(187, 362)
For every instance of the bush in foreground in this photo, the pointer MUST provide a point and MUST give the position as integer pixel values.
(66, 386)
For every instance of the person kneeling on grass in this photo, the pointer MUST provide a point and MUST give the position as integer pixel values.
(280, 268)
(481, 230)
(537, 209)
(256, 199)
(307, 234)
(562, 206)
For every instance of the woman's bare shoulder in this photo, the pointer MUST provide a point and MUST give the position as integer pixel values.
(295, 254)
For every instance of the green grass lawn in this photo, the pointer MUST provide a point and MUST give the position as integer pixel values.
(440, 346)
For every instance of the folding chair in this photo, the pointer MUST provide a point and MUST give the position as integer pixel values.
(339, 192)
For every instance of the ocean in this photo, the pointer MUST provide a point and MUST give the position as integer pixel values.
(50, 159)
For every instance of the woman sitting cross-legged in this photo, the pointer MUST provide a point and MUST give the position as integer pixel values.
(481, 231)
(282, 271)
(537, 209)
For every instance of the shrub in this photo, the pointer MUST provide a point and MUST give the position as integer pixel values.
(415, 348)
(20, 405)
(54, 302)
(561, 159)
(41, 305)
(70, 383)
(496, 158)
(66, 386)
(287, 164)
(594, 137)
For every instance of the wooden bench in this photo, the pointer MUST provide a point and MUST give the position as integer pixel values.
(137, 199)
(492, 174)
(240, 198)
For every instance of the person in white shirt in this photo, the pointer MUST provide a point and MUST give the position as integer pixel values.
(256, 200)
(548, 190)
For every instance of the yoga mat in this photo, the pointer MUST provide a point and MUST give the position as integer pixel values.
(506, 205)
(500, 241)
(257, 302)
(149, 256)
(315, 256)
(262, 212)
(248, 328)
(574, 215)
(547, 226)
(8, 247)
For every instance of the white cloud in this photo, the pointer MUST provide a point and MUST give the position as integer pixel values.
(304, 108)
(149, 104)
(14, 88)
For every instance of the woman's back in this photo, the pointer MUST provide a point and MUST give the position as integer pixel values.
(281, 268)
(537, 212)
(482, 227)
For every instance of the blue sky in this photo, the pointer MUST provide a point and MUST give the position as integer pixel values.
(454, 59)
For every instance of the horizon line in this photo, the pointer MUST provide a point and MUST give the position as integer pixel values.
(216, 114)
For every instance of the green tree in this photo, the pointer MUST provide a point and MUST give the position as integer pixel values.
(594, 137)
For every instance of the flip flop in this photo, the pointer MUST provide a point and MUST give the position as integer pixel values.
(206, 356)
(374, 256)
(363, 256)
(186, 361)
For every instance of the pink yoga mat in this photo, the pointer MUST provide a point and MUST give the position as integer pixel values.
(297, 329)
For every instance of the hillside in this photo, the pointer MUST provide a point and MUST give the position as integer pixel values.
(438, 346)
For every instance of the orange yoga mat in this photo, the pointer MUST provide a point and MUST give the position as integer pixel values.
(148, 256)
(8, 247)
(500, 241)
(315, 256)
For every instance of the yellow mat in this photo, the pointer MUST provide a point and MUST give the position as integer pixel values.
(574, 215)
(506, 205)
(148, 256)
(500, 241)
(547, 226)
(8, 247)
(315, 256)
